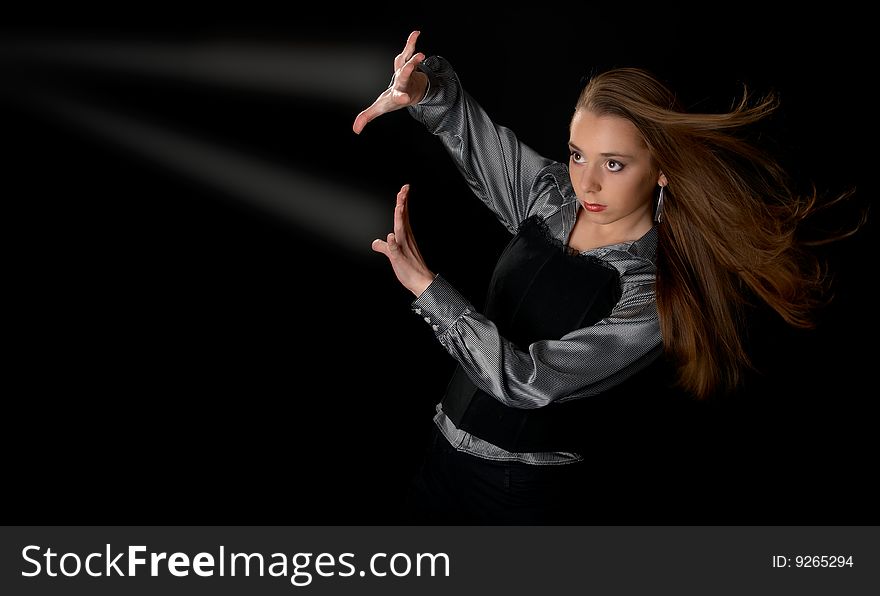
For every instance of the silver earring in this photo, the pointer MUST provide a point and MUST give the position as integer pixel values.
(658, 213)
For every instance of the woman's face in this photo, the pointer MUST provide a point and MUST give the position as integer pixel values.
(611, 169)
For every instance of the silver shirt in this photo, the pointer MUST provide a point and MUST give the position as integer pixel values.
(514, 182)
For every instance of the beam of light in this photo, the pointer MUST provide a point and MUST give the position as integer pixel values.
(347, 217)
(350, 74)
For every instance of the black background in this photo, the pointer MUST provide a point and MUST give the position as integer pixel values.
(175, 356)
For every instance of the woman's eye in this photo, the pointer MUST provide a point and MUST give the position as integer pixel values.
(576, 157)
(614, 166)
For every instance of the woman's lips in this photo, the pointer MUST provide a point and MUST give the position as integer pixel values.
(594, 207)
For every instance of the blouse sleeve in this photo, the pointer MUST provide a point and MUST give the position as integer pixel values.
(582, 363)
(501, 170)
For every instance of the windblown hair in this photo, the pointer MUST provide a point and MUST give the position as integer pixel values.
(728, 235)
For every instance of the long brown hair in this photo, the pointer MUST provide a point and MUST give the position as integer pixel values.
(728, 233)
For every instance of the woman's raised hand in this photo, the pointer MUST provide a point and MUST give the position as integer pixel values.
(407, 87)
(402, 251)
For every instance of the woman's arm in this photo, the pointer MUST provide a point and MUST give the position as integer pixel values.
(582, 363)
(501, 170)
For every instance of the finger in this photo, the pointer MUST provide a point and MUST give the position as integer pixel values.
(375, 110)
(393, 246)
(406, 225)
(406, 72)
(360, 121)
(399, 216)
(380, 246)
(408, 50)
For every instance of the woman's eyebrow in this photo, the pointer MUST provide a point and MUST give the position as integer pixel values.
(611, 154)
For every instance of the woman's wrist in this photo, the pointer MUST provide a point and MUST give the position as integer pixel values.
(423, 284)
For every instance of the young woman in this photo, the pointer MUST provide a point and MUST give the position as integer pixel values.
(636, 259)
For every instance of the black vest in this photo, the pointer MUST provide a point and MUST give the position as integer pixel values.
(540, 289)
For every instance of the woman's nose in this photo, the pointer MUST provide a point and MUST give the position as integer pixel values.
(589, 180)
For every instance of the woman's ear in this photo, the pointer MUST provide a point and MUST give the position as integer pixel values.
(661, 180)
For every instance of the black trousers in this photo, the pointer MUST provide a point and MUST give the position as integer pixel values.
(452, 487)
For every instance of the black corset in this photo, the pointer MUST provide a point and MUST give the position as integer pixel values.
(540, 289)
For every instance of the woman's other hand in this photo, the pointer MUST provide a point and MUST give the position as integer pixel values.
(407, 87)
(401, 249)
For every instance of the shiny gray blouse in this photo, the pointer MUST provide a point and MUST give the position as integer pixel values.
(514, 182)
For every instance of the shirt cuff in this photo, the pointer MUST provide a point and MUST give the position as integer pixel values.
(429, 66)
(440, 305)
(427, 90)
